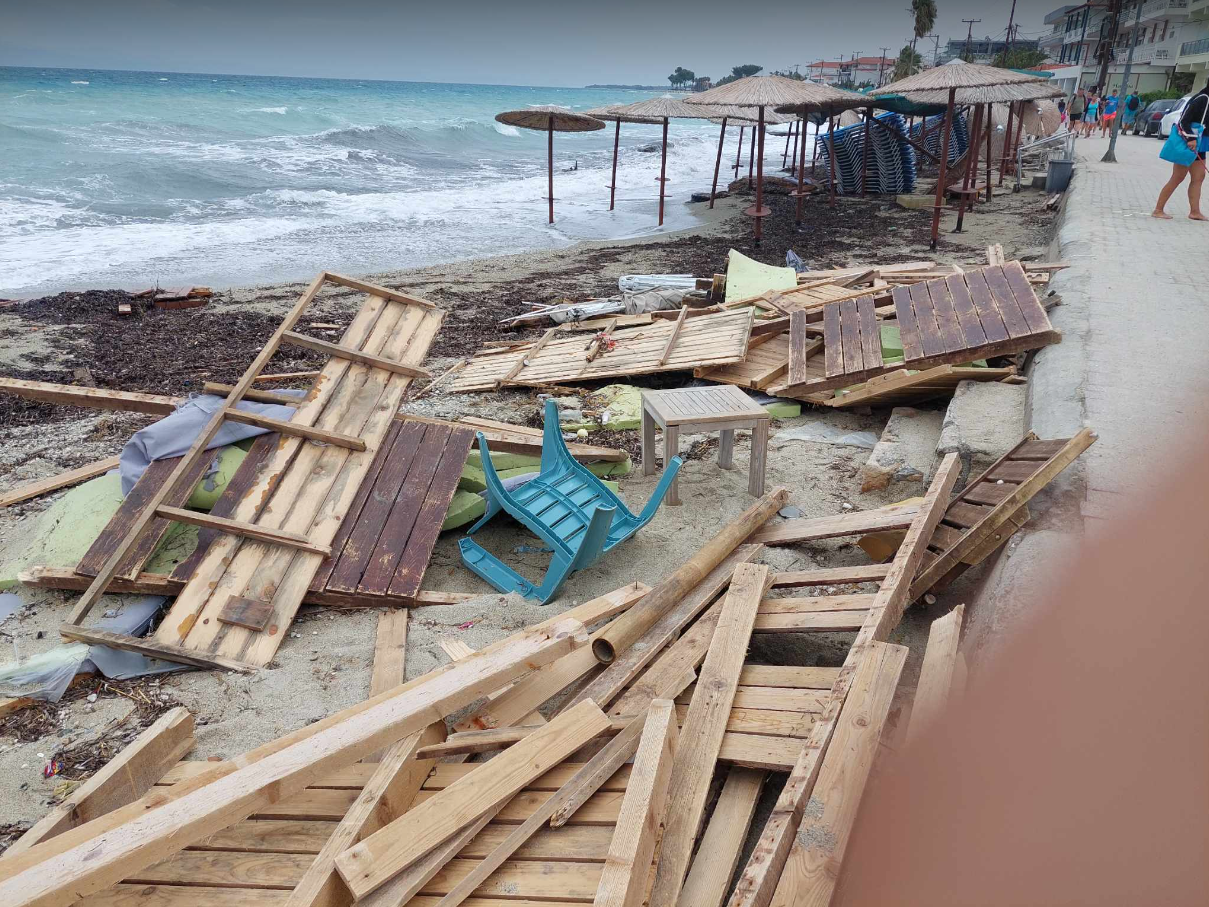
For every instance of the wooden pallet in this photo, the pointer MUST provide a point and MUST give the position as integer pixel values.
(906, 386)
(562, 357)
(272, 544)
(967, 316)
(993, 506)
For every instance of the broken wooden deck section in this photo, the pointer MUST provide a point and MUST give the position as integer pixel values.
(303, 489)
(663, 346)
(949, 321)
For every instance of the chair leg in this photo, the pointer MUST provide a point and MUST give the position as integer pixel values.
(759, 458)
(671, 448)
(726, 448)
(648, 443)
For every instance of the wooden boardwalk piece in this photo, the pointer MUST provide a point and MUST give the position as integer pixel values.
(944, 321)
(663, 346)
(302, 489)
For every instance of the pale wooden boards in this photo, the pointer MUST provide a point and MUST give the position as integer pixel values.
(708, 340)
(54, 483)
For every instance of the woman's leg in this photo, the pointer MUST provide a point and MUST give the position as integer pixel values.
(1197, 172)
(1178, 172)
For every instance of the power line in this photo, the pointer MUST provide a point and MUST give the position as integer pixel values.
(969, 34)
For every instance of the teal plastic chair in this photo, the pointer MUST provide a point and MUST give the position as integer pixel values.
(566, 506)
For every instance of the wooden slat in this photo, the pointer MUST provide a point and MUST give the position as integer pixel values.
(850, 330)
(125, 778)
(908, 327)
(797, 348)
(871, 335)
(965, 515)
(788, 676)
(988, 314)
(951, 333)
(293, 338)
(83, 864)
(816, 603)
(936, 673)
(708, 881)
(128, 511)
(671, 340)
(376, 290)
(817, 854)
(371, 863)
(623, 880)
(963, 308)
(987, 493)
(1013, 471)
(704, 728)
(90, 397)
(830, 576)
(1005, 302)
(248, 530)
(1030, 305)
(896, 516)
(811, 622)
(297, 430)
(36, 489)
(925, 318)
(833, 343)
(184, 896)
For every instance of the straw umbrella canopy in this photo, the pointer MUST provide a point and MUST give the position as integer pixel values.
(551, 119)
(951, 78)
(664, 109)
(607, 114)
(763, 92)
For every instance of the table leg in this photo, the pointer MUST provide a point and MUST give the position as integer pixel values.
(671, 447)
(759, 458)
(726, 448)
(648, 443)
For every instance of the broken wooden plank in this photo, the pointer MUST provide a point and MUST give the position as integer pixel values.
(54, 483)
(814, 861)
(290, 764)
(236, 527)
(895, 516)
(246, 612)
(936, 673)
(374, 289)
(370, 864)
(830, 576)
(628, 864)
(124, 779)
(90, 397)
(343, 352)
(704, 729)
(708, 881)
(297, 430)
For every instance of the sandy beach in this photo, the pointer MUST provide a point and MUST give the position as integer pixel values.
(324, 664)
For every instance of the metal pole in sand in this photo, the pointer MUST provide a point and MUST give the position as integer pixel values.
(751, 152)
(990, 131)
(785, 153)
(865, 153)
(550, 161)
(662, 171)
(758, 210)
(739, 153)
(613, 182)
(798, 138)
(1007, 142)
(831, 152)
(800, 193)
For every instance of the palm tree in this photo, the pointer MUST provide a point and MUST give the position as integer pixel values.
(924, 12)
(907, 64)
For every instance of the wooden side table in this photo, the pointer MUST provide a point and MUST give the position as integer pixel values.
(723, 409)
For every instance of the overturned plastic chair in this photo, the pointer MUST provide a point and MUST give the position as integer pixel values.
(567, 507)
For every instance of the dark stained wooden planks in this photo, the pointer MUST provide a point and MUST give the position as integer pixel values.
(251, 613)
(852, 341)
(385, 548)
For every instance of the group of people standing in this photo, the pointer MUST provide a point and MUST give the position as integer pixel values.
(1088, 109)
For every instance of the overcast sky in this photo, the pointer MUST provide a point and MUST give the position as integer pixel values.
(523, 42)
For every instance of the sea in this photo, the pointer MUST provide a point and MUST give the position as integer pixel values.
(114, 179)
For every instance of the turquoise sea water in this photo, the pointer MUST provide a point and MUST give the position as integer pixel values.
(122, 179)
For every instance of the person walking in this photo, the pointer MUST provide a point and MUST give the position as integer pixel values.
(1109, 114)
(1092, 115)
(1186, 148)
(1076, 109)
(1129, 116)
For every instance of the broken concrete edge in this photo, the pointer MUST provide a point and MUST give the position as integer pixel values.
(1014, 579)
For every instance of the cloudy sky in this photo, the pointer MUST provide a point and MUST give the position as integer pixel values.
(522, 42)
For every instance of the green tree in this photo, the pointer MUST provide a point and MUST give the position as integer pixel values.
(924, 14)
(741, 72)
(907, 64)
(1019, 58)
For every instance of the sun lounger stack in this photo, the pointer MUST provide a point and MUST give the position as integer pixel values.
(891, 163)
(958, 141)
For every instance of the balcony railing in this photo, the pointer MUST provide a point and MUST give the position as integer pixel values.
(1191, 48)
(1156, 8)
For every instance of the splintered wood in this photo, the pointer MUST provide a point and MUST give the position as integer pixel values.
(680, 345)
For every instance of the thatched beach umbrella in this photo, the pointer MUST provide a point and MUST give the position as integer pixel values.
(729, 113)
(951, 78)
(763, 92)
(607, 114)
(665, 109)
(552, 120)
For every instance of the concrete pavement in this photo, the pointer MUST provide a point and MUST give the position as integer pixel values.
(1132, 364)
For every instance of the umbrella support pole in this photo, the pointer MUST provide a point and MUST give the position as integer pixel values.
(831, 155)
(613, 181)
(971, 168)
(944, 164)
(550, 168)
(760, 212)
(751, 153)
(739, 153)
(990, 135)
(814, 153)
(865, 154)
(801, 168)
(785, 153)
(713, 190)
(1007, 144)
(662, 171)
(797, 140)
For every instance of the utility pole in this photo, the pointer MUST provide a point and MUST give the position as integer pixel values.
(969, 35)
(935, 49)
(1114, 23)
(881, 67)
(1110, 156)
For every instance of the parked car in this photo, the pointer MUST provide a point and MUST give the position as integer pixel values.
(1173, 116)
(1150, 120)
